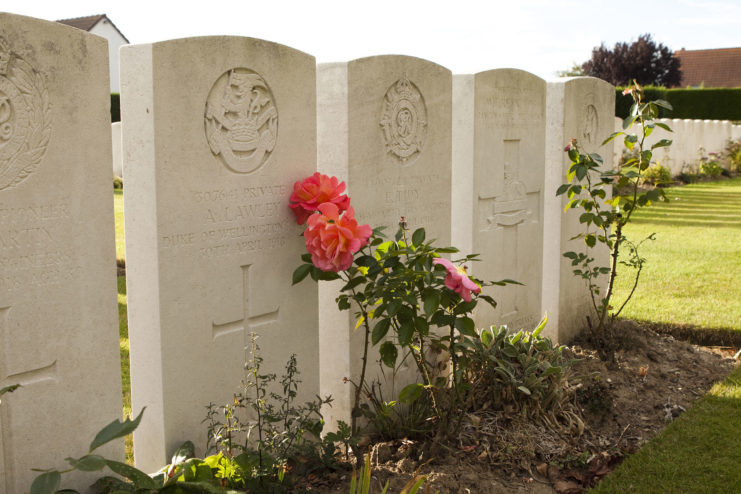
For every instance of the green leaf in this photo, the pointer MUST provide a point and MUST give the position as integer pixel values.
(411, 393)
(388, 353)
(139, 478)
(524, 390)
(573, 154)
(629, 121)
(541, 325)
(9, 389)
(418, 236)
(406, 332)
(194, 470)
(663, 126)
(662, 143)
(466, 326)
(423, 327)
(612, 136)
(431, 300)
(590, 240)
(663, 103)
(352, 283)
(487, 337)
(367, 261)
(88, 463)
(301, 272)
(380, 330)
(115, 430)
(46, 483)
(562, 189)
(326, 275)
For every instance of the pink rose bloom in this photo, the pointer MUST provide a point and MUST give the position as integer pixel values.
(315, 190)
(457, 279)
(332, 240)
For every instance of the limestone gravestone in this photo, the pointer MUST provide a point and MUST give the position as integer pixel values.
(384, 127)
(215, 132)
(58, 325)
(580, 108)
(499, 138)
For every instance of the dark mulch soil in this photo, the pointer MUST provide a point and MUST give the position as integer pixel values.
(657, 377)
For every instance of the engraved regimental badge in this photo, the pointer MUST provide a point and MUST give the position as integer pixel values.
(404, 120)
(241, 120)
(591, 125)
(25, 118)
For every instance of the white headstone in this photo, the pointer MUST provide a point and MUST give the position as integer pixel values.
(116, 148)
(384, 127)
(581, 108)
(58, 321)
(506, 130)
(215, 132)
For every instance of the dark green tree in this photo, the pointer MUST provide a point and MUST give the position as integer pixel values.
(644, 60)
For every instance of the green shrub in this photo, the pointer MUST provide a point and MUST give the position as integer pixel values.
(707, 104)
(522, 372)
(115, 107)
(711, 169)
(657, 175)
(732, 155)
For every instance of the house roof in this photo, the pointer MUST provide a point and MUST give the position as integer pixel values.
(89, 22)
(720, 67)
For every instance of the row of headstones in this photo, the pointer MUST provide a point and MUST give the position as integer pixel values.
(691, 139)
(215, 133)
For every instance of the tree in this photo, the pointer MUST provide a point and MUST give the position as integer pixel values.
(575, 70)
(644, 60)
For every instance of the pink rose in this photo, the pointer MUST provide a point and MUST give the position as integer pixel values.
(332, 240)
(457, 279)
(315, 190)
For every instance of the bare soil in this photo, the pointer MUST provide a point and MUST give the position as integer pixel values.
(655, 379)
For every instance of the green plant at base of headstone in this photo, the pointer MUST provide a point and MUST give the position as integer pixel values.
(400, 290)
(284, 430)
(605, 217)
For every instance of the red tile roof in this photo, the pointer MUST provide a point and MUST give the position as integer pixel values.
(719, 67)
(89, 22)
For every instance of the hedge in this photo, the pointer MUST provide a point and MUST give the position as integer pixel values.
(115, 107)
(703, 104)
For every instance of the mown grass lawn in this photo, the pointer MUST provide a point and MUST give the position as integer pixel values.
(693, 268)
(698, 453)
(691, 277)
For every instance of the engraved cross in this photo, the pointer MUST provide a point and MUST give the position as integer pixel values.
(247, 322)
(24, 378)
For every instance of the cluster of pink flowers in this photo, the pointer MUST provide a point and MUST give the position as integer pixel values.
(332, 233)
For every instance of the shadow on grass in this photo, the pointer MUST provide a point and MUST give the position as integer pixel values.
(697, 335)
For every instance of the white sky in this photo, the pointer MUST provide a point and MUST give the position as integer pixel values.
(466, 36)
